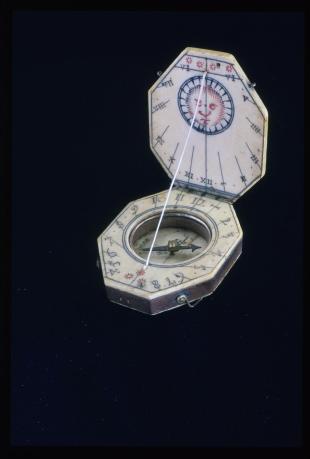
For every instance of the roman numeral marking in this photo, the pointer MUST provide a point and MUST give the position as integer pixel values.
(253, 157)
(197, 202)
(167, 83)
(190, 175)
(206, 181)
(179, 197)
(255, 128)
(160, 106)
(156, 199)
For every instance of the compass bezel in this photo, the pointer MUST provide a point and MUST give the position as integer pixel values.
(202, 226)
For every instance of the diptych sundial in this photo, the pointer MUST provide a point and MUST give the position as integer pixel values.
(208, 130)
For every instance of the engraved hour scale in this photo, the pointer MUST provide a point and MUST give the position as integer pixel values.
(208, 130)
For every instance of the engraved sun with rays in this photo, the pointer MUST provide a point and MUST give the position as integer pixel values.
(215, 107)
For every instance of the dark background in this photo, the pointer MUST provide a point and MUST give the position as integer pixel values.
(85, 371)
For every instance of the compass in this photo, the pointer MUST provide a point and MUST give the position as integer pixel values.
(175, 240)
(208, 130)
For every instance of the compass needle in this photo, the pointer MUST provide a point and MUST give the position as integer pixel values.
(208, 130)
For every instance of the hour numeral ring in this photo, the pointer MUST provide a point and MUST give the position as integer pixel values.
(215, 108)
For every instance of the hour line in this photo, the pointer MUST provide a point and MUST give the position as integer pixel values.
(190, 169)
(223, 181)
(254, 158)
(205, 136)
(172, 158)
(160, 139)
(159, 106)
(242, 176)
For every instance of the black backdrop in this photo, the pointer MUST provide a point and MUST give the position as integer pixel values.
(89, 372)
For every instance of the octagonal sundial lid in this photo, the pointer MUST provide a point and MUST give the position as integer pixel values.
(226, 151)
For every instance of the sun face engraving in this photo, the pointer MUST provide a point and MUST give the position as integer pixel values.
(215, 109)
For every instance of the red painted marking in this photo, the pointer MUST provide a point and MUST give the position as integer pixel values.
(205, 118)
(140, 272)
(189, 60)
(128, 276)
(229, 68)
(212, 66)
(200, 64)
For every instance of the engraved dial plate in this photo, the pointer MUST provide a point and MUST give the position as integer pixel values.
(226, 152)
(208, 129)
(195, 240)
